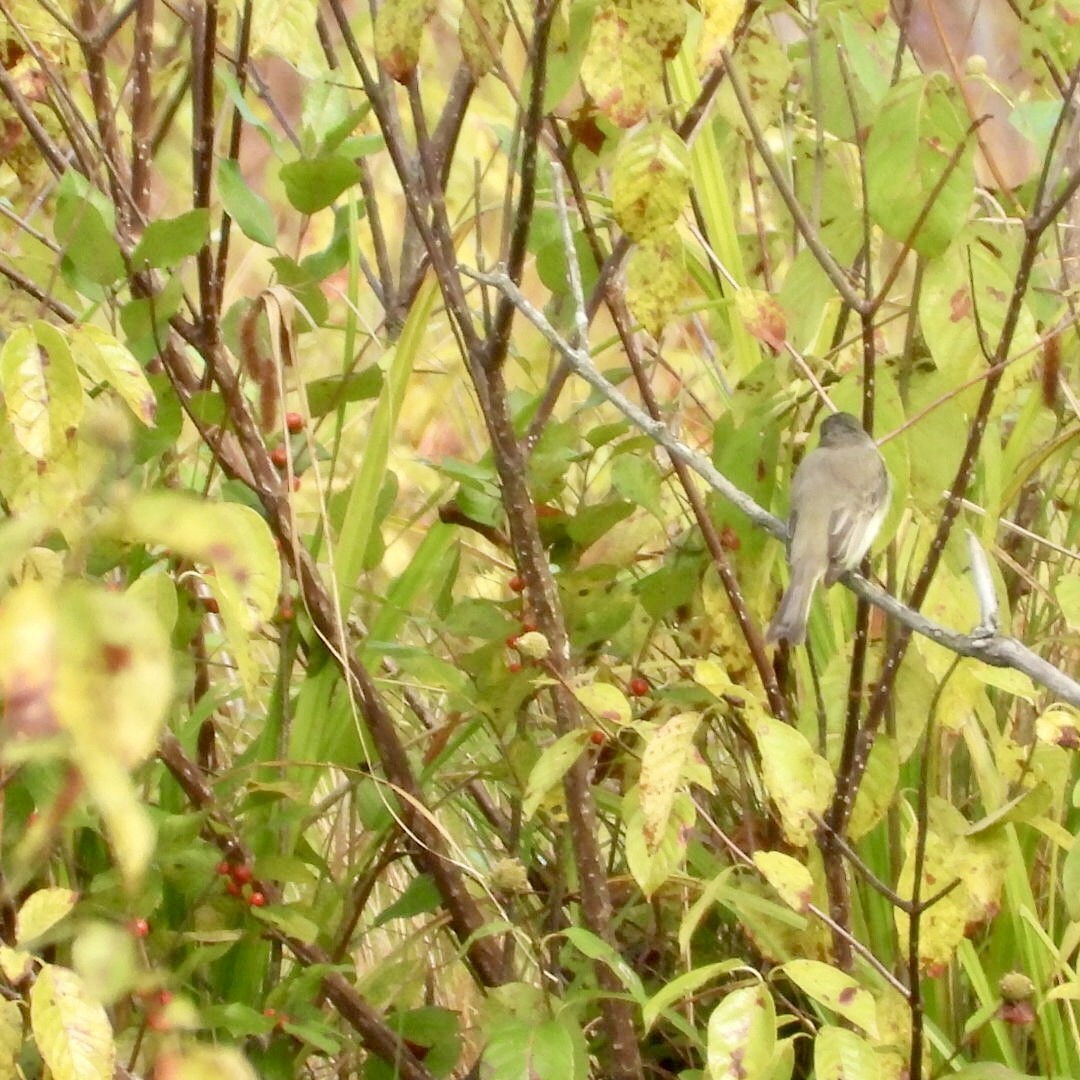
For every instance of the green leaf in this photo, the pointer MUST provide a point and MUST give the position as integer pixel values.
(84, 231)
(742, 1035)
(551, 767)
(636, 478)
(420, 897)
(528, 1050)
(329, 394)
(170, 241)
(918, 131)
(314, 183)
(289, 921)
(71, 1029)
(251, 212)
(683, 986)
(1070, 880)
(587, 943)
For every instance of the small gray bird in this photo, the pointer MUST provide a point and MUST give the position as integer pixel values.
(839, 498)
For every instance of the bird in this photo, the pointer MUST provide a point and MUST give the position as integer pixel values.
(839, 498)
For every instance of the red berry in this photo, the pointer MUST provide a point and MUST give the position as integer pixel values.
(232, 888)
(270, 1013)
(256, 899)
(165, 997)
(223, 868)
(514, 667)
(139, 927)
(294, 422)
(528, 627)
(597, 737)
(280, 456)
(285, 612)
(296, 483)
(241, 874)
(639, 686)
(516, 583)
(511, 641)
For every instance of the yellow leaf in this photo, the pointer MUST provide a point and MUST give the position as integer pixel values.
(721, 17)
(11, 1037)
(663, 763)
(656, 282)
(42, 390)
(41, 911)
(71, 1030)
(231, 538)
(650, 182)
(622, 70)
(604, 702)
(483, 25)
(398, 27)
(105, 360)
(788, 877)
(652, 864)
(797, 780)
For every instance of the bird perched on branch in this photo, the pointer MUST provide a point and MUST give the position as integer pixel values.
(839, 499)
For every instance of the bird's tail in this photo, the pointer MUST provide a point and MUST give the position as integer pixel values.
(789, 622)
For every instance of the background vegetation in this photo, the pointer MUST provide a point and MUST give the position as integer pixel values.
(398, 410)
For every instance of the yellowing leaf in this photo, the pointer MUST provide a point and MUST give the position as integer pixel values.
(621, 70)
(604, 702)
(763, 317)
(878, 786)
(978, 863)
(398, 27)
(651, 864)
(41, 388)
(231, 538)
(105, 360)
(797, 780)
(742, 1035)
(483, 24)
(788, 877)
(1059, 726)
(656, 282)
(11, 1037)
(651, 181)
(131, 832)
(71, 1030)
(42, 910)
(835, 990)
(551, 767)
(840, 1054)
(15, 963)
(662, 766)
(720, 19)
